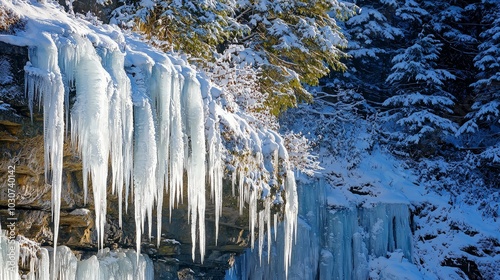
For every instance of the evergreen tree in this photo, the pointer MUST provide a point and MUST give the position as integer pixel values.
(456, 24)
(372, 40)
(420, 104)
(483, 122)
(375, 35)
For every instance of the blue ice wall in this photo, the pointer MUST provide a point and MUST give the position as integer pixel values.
(333, 241)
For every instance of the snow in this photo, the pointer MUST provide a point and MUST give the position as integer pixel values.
(395, 267)
(80, 212)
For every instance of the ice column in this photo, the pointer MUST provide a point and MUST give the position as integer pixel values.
(43, 272)
(116, 264)
(44, 83)
(195, 130)
(341, 225)
(65, 265)
(161, 89)
(90, 130)
(176, 149)
(121, 126)
(388, 226)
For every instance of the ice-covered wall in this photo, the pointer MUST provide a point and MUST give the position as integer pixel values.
(143, 123)
(333, 241)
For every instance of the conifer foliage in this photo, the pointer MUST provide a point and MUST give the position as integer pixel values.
(482, 128)
(289, 42)
(420, 104)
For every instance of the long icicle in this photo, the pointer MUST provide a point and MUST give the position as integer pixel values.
(44, 77)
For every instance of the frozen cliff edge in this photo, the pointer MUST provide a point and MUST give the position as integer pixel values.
(141, 119)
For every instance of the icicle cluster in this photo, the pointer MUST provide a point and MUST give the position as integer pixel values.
(142, 119)
(20, 250)
(260, 166)
(116, 264)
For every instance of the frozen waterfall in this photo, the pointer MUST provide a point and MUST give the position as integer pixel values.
(333, 242)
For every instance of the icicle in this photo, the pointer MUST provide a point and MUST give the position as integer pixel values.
(275, 226)
(261, 234)
(145, 161)
(43, 77)
(291, 212)
(267, 211)
(161, 89)
(90, 128)
(233, 179)
(195, 128)
(120, 126)
(176, 143)
(145, 150)
(215, 166)
(242, 191)
(69, 56)
(252, 213)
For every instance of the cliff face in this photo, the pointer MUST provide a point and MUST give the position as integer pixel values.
(21, 139)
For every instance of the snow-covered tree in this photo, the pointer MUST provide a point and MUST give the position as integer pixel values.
(240, 91)
(482, 128)
(375, 34)
(372, 37)
(419, 105)
(290, 42)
